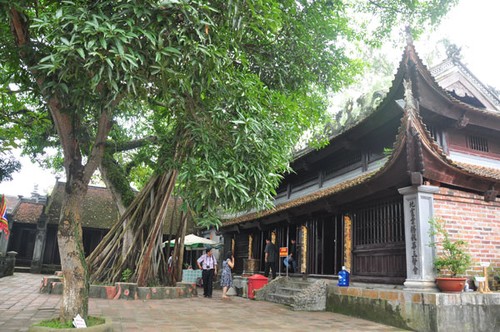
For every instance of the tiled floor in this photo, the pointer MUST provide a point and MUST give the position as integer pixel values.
(21, 305)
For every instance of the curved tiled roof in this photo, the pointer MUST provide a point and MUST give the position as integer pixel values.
(429, 78)
(303, 200)
(456, 63)
(28, 212)
(410, 119)
(99, 209)
(398, 149)
(487, 172)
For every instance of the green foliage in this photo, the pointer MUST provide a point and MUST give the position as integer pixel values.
(453, 256)
(8, 165)
(57, 324)
(127, 274)
(420, 15)
(227, 87)
(388, 151)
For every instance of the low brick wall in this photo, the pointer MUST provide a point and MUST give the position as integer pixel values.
(124, 290)
(471, 311)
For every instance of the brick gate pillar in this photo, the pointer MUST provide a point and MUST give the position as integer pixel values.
(39, 249)
(418, 205)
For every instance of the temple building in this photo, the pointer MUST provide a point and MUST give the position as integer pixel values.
(430, 149)
(34, 221)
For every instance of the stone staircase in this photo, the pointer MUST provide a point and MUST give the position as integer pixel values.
(22, 269)
(299, 294)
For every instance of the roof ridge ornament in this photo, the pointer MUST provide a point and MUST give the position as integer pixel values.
(410, 102)
(453, 52)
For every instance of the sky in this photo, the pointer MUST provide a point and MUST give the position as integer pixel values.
(472, 25)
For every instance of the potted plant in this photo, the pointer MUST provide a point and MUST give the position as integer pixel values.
(452, 258)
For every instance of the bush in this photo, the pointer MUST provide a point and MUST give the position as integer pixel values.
(453, 256)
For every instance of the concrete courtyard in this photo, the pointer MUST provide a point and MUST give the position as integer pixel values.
(22, 305)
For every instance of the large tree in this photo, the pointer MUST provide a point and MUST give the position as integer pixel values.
(233, 84)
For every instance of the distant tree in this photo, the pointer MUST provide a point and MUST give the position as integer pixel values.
(8, 165)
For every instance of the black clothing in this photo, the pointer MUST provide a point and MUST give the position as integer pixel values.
(208, 279)
(270, 265)
(272, 259)
(293, 254)
(272, 252)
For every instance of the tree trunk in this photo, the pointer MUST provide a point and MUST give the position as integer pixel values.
(153, 242)
(74, 267)
(178, 255)
(145, 257)
(116, 181)
(68, 121)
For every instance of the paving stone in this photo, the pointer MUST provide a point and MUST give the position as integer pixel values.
(186, 314)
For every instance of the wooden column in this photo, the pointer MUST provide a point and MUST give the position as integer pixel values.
(347, 243)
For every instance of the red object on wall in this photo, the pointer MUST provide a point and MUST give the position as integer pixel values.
(257, 281)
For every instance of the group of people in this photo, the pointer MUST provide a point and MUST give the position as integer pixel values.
(208, 264)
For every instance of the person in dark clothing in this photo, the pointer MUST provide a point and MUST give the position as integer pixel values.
(270, 258)
(292, 260)
(208, 264)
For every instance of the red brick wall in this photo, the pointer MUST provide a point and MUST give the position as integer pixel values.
(470, 218)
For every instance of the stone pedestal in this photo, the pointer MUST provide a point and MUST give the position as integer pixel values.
(240, 285)
(41, 237)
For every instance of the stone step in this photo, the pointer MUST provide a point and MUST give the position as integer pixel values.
(288, 290)
(280, 298)
(22, 269)
(298, 284)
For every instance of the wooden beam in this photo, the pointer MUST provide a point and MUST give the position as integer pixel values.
(462, 122)
(232, 228)
(490, 195)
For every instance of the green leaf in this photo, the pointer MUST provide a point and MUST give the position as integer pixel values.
(81, 52)
(169, 49)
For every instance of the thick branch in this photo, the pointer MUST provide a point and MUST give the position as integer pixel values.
(97, 152)
(19, 27)
(125, 146)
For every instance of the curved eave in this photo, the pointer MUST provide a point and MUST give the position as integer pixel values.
(431, 82)
(398, 154)
(364, 180)
(389, 97)
(439, 167)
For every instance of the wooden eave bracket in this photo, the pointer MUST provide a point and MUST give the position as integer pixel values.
(491, 194)
(290, 217)
(330, 207)
(416, 178)
(462, 122)
(233, 228)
